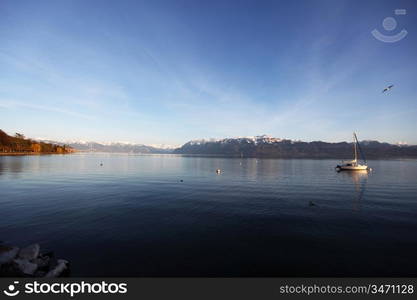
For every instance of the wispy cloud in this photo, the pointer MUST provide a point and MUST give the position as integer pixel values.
(166, 77)
(16, 104)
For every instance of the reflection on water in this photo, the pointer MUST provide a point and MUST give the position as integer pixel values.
(359, 179)
(169, 215)
(11, 164)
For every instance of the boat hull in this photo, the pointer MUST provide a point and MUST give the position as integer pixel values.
(354, 165)
(352, 168)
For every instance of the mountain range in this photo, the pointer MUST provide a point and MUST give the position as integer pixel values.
(115, 147)
(257, 146)
(265, 146)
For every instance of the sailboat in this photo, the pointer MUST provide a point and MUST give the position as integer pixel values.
(354, 165)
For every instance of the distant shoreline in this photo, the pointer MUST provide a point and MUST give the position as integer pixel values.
(30, 153)
(209, 155)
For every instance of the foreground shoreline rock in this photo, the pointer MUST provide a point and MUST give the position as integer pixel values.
(30, 262)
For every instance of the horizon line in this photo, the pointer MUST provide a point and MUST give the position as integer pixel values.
(171, 146)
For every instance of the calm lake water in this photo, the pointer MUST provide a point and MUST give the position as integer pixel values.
(134, 217)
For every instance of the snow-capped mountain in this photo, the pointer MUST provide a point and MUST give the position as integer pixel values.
(119, 147)
(266, 146)
(253, 146)
(249, 139)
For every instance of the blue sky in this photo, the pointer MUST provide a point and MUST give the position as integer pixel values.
(165, 72)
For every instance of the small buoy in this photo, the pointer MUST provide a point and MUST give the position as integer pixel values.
(218, 171)
(181, 180)
(311, 203)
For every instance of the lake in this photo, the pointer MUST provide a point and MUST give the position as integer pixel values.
(169, 215)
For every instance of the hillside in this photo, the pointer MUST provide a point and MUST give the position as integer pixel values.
(263, 146)
(20, 144)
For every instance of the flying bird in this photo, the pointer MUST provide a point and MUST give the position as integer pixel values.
(387, 88)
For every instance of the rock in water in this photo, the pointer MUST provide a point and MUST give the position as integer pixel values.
(30, 252)
(25, 266)
(29, 262)
(58, 270)
(42, 262)
(39, 273)
(7, 254)
(10, 270)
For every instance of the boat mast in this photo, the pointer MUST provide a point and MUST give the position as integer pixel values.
(359, 146)
(354, 146)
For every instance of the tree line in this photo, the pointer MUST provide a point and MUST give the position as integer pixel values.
(20, 144)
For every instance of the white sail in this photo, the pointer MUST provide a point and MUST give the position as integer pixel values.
(353, 165)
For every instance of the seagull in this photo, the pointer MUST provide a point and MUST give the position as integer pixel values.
(387, 88)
